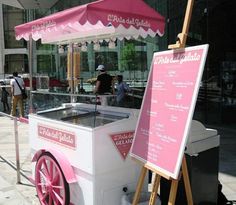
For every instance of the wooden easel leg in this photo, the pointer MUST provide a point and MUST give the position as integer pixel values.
(154, 189)
(139, 186)
(182, 37)
(173, 192)
(187, 182)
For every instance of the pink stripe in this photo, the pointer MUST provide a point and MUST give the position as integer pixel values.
(24, 120)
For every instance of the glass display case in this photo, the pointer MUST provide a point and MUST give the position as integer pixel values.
(85, 116)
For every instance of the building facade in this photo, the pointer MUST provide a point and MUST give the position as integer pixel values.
(212, 23)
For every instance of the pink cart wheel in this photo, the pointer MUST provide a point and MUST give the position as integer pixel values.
(51, 186)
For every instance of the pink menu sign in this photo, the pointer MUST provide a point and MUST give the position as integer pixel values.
(167, 109)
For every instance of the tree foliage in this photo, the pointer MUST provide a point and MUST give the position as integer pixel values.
(128, 56)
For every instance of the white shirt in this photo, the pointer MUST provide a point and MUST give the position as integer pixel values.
(17, 90)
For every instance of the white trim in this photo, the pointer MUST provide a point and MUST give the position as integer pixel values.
(15, 51)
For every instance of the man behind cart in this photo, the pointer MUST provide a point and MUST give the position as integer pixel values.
(104, 83)
(17, 84)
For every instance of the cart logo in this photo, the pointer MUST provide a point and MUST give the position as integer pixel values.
(130, 21)
(123, 142)
(59, 136)
(44, 25)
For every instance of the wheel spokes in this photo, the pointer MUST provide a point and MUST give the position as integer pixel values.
(57, 197)
(45, 168)
(44, 196)
(45, 178)
(51, 167)
(50, 199)
(50, 182)
(56, 178)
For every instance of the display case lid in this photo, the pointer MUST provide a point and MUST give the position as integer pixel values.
(84, 115)
(199, 132)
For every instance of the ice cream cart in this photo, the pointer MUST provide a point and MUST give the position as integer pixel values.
(81, 154)
(80, 151)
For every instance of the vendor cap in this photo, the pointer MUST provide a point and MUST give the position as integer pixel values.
(100, 67)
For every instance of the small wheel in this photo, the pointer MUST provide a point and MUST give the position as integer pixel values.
(51, 186)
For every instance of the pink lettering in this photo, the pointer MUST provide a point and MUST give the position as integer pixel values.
(61, 137)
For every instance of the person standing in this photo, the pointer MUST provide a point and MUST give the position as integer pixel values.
(104, 83)
(17, 99)
(122, 89)
(4, 99)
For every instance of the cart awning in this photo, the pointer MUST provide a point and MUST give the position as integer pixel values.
(99, 20)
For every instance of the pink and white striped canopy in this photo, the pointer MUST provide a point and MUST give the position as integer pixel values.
(96, 21)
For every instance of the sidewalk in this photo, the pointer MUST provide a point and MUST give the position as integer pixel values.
(12, 193)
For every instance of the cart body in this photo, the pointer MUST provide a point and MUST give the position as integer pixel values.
(91, 148)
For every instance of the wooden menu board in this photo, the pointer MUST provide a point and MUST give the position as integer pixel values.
(167, 109)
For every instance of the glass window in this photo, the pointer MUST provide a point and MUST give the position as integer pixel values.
(46, 47)
(46, 64)
(16, 62)
(109, 59)
(12, 17)
(84, 61)
(141, 57)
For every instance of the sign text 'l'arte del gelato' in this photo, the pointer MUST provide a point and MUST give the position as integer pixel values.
(123, 142)
(62, 137)
(129, 21)
(43, 25)
(167, 109)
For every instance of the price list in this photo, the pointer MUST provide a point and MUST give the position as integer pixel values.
(167, 108)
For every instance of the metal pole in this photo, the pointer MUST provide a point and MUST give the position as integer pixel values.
(71, 53)
(17, 150)
(30, 72)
